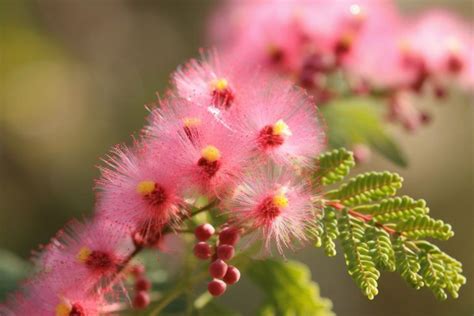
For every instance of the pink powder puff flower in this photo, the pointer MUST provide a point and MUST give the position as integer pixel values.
(140, 189)
(442, 40)
(88, 254)
(210, 157)
(379, 43)
(209, 82)
(50, 295)
(175, 115)
(282, 122)
(259, 33)
(275, 203)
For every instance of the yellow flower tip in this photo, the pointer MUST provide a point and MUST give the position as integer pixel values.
(83, 254)
(191, 121)
(210, 153)
(219, 84)
(63, 309)
(404, 46)
(281, 128)
(145, 187)
(280, 200)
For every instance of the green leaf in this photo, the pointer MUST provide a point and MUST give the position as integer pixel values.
(380, 247)
(407, 264)
(360, 265)
(330, 231)
(360, 120)
(394, 209)
(12, 271)
(333, 166)
(424, 226)
(288, 289)
(366, 188)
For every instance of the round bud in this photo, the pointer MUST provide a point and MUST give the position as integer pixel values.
(229, 236)
(216, 287)
(142, 284)
(138, 270)
(141, 300)
(218, 269)
(225, 252)
(232, 276)
(202, 250)
(204, 232)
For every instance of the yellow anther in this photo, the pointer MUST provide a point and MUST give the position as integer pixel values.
(281, 128)
(210, 153)
(280, 200)
(146, 187)
(63, 309)
(219, 84)
(83, 254)
(191, 121)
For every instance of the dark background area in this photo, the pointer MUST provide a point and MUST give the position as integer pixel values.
(75, 76)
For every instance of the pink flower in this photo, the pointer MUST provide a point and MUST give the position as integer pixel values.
(212, 157)
(379, 45)
(281, 121)
(140, 189)
(255, 33)
(442, 40)
(87, 254)
(209, 82)
(274, 202)
(50, 295)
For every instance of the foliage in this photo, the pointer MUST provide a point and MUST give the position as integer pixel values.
(380, 232)
(12, 270)
(288, 289)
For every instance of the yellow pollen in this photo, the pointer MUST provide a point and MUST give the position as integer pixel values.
(280, 200)
(145, 187)
(210, 153)
(404, 46)
(281, 128)
(219, 84)
(191, 121)
(83, 254)
(63, 309)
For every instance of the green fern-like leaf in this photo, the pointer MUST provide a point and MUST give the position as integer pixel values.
(333, 166)
(360, 264)
(407, 264)
(380, 247)
(330, 231)
(394, 209)
(367, 188)
(424, 226)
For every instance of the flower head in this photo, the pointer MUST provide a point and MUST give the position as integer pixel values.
(275, 203)
(140, 188)
(87, 253)
(282, 122)
(208, 82)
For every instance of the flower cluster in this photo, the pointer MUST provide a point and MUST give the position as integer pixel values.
(245, 143)
(369, 44)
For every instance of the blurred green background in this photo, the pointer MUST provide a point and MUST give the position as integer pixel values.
(75, 76)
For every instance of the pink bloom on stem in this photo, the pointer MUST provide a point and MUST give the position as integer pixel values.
(209, 82)
(211, 158)
(140, 188)
(443, 40)
(274, 202)
(379, 46)
(281, 121)
(52, 294)
(259, 33)
(89, 254)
